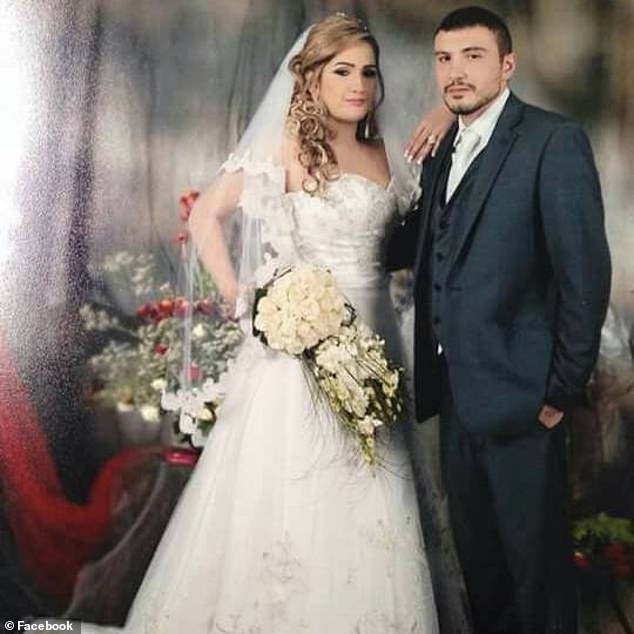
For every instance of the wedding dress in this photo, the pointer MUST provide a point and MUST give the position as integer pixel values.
(281, 528)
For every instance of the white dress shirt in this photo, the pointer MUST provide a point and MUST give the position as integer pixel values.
(483, 126)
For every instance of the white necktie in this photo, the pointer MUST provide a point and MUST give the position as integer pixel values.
(463, 154)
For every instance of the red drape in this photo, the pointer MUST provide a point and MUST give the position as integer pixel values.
(55, 537)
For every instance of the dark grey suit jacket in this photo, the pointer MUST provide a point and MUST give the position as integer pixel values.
(529, 275)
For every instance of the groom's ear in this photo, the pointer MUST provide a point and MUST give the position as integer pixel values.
(509, 64)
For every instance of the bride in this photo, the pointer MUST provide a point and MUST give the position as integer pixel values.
(281, 529)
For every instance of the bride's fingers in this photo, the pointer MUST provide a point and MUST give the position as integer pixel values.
(425, 144)
(439, 137)
(418, 142)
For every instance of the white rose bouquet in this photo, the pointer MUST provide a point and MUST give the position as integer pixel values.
(302, 312)
(298, 309)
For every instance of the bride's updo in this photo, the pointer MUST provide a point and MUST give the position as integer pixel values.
(307, 117)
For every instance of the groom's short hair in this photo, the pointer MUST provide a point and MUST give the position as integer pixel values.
(466, 17)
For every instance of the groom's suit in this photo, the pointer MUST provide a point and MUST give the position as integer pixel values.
(511, 278)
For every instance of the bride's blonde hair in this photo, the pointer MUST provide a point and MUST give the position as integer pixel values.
(307, 117)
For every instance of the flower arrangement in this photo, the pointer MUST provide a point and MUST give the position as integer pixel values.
(605, 542)
(301, 312)
(140, 358)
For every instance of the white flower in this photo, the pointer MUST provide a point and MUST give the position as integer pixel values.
(187, 423)
(150, 413)
(309, 309)
(198, 438)
(198, 331)
(366, 426)
(159, 384)
(205, 414)
(124, 407)
(211, 390)
(171, 402)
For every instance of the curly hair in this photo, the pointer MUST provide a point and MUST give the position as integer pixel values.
(307, 117)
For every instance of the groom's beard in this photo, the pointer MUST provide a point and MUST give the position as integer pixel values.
(468, 108)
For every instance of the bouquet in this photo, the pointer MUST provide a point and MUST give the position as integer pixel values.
(301, 312)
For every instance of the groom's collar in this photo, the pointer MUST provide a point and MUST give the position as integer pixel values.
(486, 122)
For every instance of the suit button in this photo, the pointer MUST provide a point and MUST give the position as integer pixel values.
(437, 287)
(443, 224)
(440, 257)
(436, 320)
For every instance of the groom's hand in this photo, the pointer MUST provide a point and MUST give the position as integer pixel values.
(550, 417)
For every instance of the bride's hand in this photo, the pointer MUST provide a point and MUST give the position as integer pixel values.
(428, 134)
(229, 302)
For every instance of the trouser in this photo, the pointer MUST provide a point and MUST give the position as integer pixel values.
(507, 500)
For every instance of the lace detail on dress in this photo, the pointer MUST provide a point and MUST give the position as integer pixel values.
(344, 229)
(284, 592)
(237, 162)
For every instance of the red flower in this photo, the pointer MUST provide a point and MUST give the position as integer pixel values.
(617, 552)
(181, 306)
(195, 372)
(187, 201)
(166, 307)
(160, 348)
(619, 556)
(182, 237)
(581, 561)
(155, 314)
(205, 307)
(144, 311)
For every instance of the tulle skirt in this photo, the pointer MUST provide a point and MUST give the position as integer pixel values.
(282, 529)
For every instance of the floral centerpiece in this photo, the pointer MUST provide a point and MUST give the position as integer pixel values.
(301, 312)
(139, 358)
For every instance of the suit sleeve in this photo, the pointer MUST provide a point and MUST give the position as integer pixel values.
(573, 220)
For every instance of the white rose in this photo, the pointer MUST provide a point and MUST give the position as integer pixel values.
(307, 335)
(171, 401)
(296, 293)
(293, 346)
(187, 423)
(204, 413)
(277, 295)
(198, 331)
(211, 391)
(266, 306)
(159, 384)
(150, 413)
(309, 309)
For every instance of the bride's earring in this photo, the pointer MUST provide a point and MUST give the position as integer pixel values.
(368, 128)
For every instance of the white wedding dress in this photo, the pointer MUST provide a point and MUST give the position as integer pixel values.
(281, 529)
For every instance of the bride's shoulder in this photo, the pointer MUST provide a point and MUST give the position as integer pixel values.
(295, 173)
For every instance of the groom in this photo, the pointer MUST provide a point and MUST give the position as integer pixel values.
(512, 277)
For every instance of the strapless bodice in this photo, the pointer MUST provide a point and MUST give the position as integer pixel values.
(344, 229)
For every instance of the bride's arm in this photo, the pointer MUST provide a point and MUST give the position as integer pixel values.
(206, 223)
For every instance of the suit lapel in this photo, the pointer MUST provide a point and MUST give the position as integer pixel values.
(492, 160)
(429, 187)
